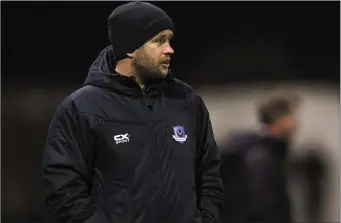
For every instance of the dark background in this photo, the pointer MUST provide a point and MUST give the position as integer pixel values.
(47, 49)
(60, 40)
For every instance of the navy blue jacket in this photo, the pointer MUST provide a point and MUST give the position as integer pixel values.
(116, 153)
(254, 174)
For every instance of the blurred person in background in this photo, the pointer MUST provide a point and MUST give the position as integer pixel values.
(134, 144)
(254, 164)
(310, 172)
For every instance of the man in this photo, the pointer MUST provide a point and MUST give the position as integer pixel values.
(134, 144)
(254, 165)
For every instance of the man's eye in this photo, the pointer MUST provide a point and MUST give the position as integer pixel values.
(161, 40)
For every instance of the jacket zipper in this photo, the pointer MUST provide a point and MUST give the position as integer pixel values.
(157, 178)
(147, 105)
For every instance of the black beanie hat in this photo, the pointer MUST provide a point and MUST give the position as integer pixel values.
(133, 24)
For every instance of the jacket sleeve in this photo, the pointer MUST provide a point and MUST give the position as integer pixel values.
(209, 185)
(67, 168)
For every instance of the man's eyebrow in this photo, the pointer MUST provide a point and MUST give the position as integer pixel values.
(162, 35)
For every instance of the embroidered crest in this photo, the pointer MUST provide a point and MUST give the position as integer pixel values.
(179, 134)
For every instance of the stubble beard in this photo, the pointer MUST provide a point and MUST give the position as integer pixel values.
(146, 70)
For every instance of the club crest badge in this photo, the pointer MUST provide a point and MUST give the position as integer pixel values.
(179, 134)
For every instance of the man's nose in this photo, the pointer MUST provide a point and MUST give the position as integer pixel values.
(168, 49)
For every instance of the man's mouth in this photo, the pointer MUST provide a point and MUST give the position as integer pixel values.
(166, 62)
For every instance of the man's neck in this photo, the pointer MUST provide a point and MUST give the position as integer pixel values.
(272, 131)
(124, 68)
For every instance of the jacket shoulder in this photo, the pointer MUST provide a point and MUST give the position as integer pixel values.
(187, 91)
(184, 85)
(80, 100)
(237, 141)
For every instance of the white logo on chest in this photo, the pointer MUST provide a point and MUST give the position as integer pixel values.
(122, 138)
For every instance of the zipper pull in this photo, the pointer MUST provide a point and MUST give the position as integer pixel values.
(149, 103)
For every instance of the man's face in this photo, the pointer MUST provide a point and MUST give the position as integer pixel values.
(152, 60)
(287, 124)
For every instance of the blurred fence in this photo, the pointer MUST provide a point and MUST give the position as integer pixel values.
(26, 113)
(317, 142)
